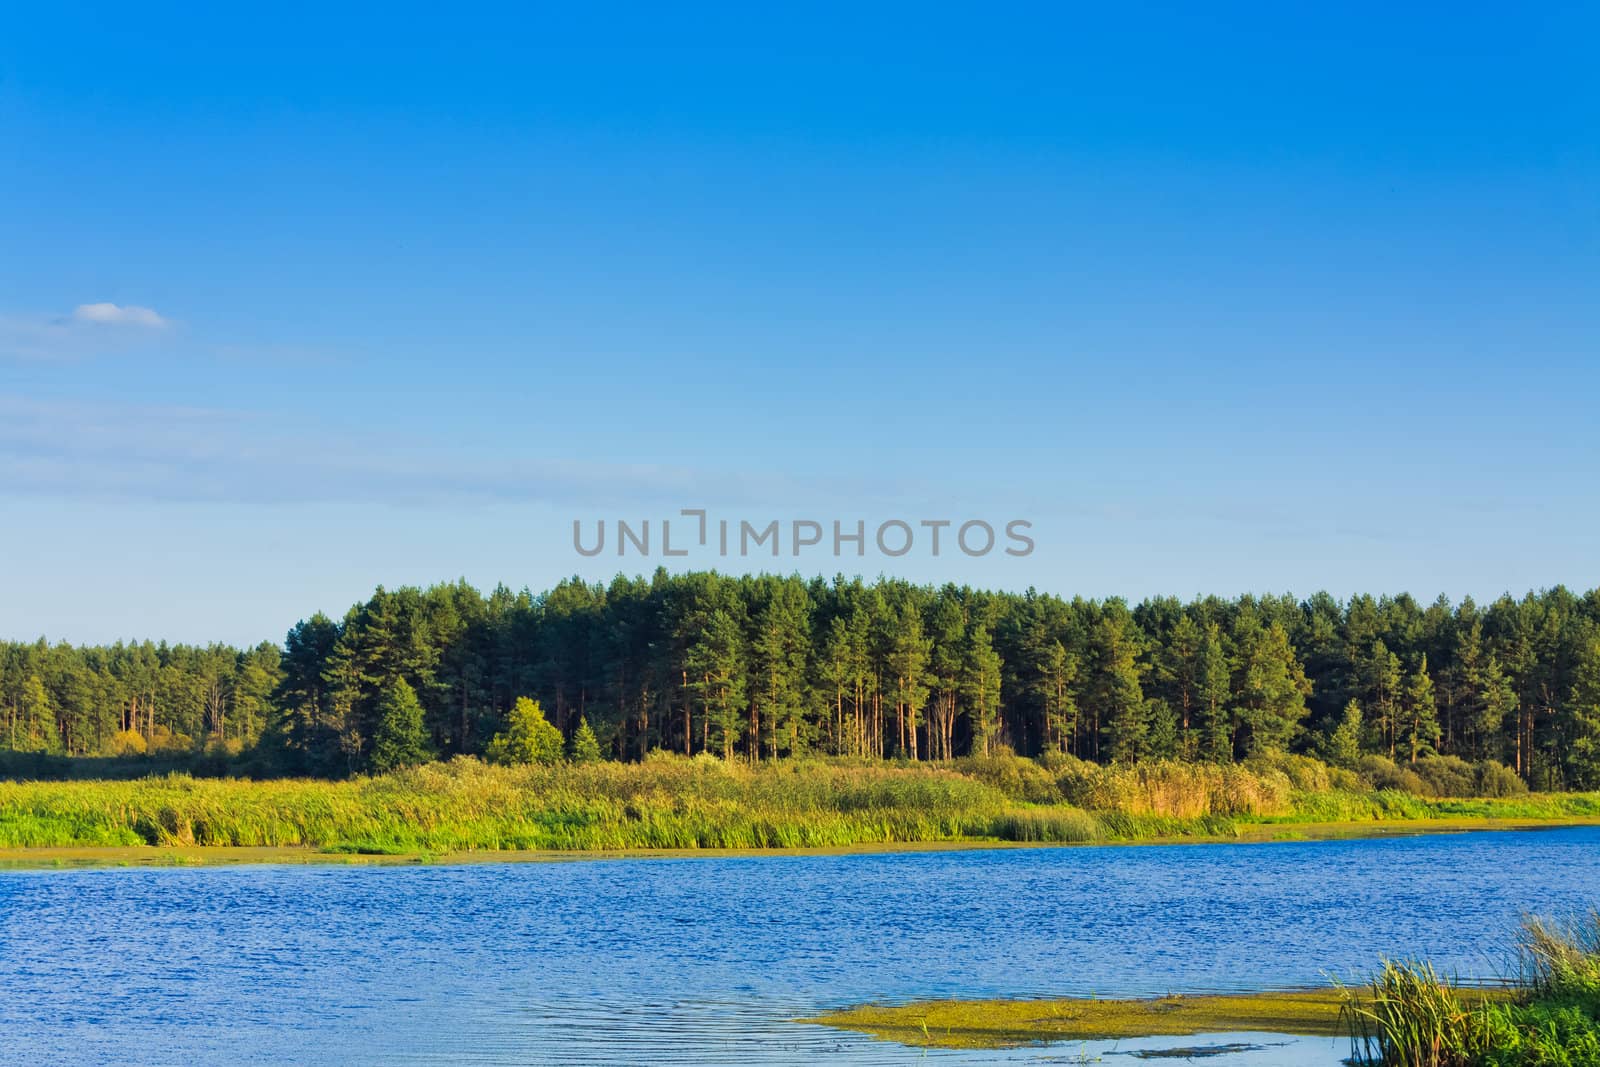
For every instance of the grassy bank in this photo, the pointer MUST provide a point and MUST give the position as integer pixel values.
(675, 803)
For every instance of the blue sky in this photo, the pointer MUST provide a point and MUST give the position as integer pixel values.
(1222, 298)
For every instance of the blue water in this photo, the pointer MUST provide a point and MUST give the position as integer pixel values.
(705, 960)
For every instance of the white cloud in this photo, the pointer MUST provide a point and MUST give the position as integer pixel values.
(89, 330)
(118, 315)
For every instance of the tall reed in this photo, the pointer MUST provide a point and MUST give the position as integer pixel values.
(1410, 1018)
(1549, 1018)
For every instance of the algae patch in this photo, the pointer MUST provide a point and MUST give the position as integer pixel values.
(1010, 1023)
(1006, 1023)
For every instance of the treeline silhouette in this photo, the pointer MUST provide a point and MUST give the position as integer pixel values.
(764, 667)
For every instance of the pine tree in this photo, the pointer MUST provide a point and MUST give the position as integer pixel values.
(845, 671)
(946, 631)
(1466, 684)
(399, 739)
(259, 672)
(1581, 715)
(1381, 683)
(1273, 691)
(1116, 689)
(834, 669)
(778, 670)
(1180, 668)
(1049, 685)
(36, 732)
(1421, 729)
(583, 747)
(1213, 696)
(1342, 747)
(303, 734)
(908, 672)
(1162, 741)
(980, 686)
(717, 677)
(1496, 705)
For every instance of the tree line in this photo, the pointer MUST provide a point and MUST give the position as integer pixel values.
(763, 667)
(135, 699)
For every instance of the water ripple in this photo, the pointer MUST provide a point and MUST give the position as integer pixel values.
(706, 961)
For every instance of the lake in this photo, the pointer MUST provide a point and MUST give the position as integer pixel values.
(705, 961)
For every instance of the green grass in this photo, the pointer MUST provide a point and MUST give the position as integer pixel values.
(1409, 1017)
(686, 804)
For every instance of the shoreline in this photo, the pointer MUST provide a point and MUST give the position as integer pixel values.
(1260, 833)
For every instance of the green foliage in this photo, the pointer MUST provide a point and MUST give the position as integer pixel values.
(1495, 705)
(715, 667)
(778, 657)
(1049, 826)
(1381, 682)
(399, 739)
(1493, 779)
(1410, 1018)
(1447, 776)
(980, 686)
(1342, 745)
(1580, 712)
(1117, 692)
(1162, 739)
(1381, 772)
(529, 737)
(760, 667)
(1419, 726)
(583, 746)
(1214, 692)
(1305, 773)
(1273, 688)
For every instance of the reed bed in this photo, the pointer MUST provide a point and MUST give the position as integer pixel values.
(672, 802)
(467, 805)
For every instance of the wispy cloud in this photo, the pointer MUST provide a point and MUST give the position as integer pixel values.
(105, 450)
(118, 315)
(187, 454)
(107, 330)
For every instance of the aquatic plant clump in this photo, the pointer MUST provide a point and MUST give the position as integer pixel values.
(1410, 1017)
